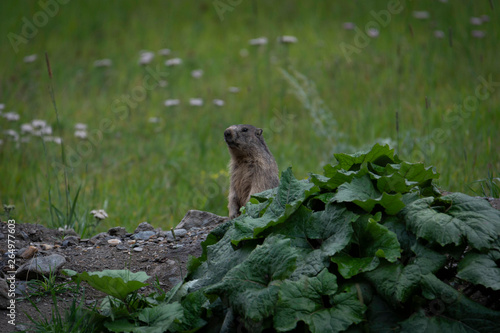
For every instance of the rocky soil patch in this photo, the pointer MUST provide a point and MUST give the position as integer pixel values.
(41, 251)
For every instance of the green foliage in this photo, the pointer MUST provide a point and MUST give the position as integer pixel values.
(334, 251)
(324, 255)
(124, 309)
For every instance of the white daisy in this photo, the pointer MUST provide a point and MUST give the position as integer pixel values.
(172, 102)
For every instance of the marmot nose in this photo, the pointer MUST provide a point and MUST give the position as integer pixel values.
(228, 133)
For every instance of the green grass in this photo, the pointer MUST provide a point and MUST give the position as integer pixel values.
(141, 171)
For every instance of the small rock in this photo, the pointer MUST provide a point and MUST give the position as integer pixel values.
(179, 233)
(24, 236)
(70, 241)
(40, 266)
(84, 240)
(46, 247)
(2, 236)
(144, 226)
(143, 235)
(131, 242)
(117, 231)
(29, 252)
(21, 328)
(198, 218)
(98, 238)
(138, 249)
(122, 247)
(114, 241)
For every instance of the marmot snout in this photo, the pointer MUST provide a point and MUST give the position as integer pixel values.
(252, 166)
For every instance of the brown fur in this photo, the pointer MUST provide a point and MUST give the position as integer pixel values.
(252, 167)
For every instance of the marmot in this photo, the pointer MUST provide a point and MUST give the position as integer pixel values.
(252, 167)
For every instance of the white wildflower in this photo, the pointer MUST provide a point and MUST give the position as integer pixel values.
(196, 101)
(57, 140)
(12, 134)
(37, 123)
(421, 14)
(2, 106)
(30, 58)
(439, 34)
(81, 134)
(154, 120)
(103, 63)
(348, 26)
(476, 21)
(197, 73)
(233, 90)
(172, 102)
(164, 52)
(80, 127)
(146, 57)
(218, 102)
(287, 39)
(173, 62)
(99, 214)
(478, 33)
(258, 41)
(26, 128)
(11, 116)
(373, 33)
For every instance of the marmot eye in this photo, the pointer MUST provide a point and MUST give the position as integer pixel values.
(244, 129)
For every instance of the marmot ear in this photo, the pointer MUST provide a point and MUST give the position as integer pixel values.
(259, 131)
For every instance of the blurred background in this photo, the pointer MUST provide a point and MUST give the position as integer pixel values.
(131, 117)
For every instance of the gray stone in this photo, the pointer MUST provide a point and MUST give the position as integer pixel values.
(70, 241)
(144, 226)
(98, 238)
(138, 249)
(179, 233)
(198, 218)
(40, 266)
(122, 246)
(117, 231)
(145, 235)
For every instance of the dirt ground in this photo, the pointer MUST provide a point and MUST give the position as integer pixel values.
(161, 257)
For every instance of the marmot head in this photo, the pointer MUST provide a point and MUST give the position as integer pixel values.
(245, 140)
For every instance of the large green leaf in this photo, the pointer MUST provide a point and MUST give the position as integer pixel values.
(252, 286)
(362, 192)
(396, 283)
(116, 283)
(481, 269)
(375, 239)
(350, 266)
(378, 155)
(422, 323)
(220, 258)
(159, 318)
(304, 300)
(332, 226)
(291, 193)
(453, 219)
(448, 302)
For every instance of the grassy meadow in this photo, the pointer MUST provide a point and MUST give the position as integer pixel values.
(426, 81)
